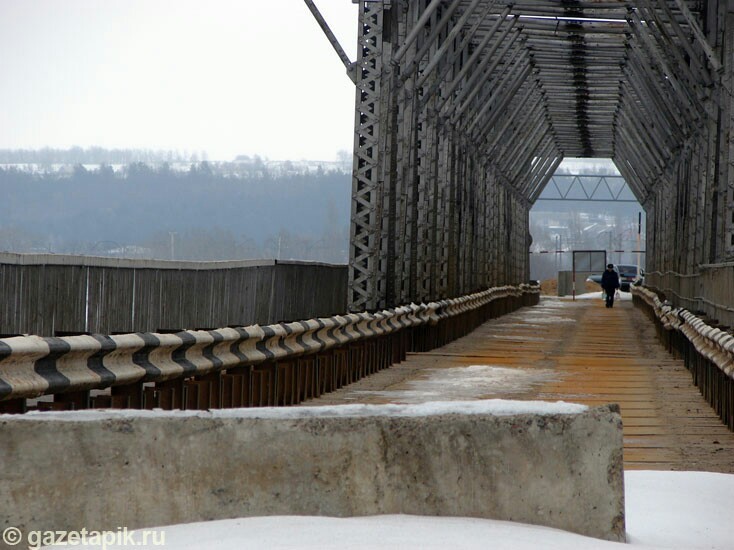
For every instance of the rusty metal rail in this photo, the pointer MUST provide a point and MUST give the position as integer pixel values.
(279, 364)
(706, 348)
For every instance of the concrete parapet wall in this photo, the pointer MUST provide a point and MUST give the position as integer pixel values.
(558, 465)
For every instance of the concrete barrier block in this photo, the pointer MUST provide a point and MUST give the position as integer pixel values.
(558, 465)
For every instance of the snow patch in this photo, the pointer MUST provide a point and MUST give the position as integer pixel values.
(551, 319)
(673, 510)
(500, 407)
(623, 296)
(518, 338)
(680, 509)
(472, 382)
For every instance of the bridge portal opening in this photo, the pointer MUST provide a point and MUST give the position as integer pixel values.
(586, 204)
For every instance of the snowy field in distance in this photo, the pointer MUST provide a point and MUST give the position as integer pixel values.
(673, 510)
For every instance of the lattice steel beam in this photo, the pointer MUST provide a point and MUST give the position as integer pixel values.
(466, 107)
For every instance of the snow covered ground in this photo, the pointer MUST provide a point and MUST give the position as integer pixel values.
(674, 510)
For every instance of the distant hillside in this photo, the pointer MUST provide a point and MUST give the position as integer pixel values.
(206, 212)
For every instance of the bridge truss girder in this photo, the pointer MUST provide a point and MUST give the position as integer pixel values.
(465, 108)
(587, 187)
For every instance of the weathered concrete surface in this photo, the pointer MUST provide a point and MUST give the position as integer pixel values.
(136, 469)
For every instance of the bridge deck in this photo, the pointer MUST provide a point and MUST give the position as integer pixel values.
(572, 351)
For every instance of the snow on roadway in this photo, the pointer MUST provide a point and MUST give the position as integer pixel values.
(463, 383)
(673, 510)
(501, 407)
(623, 296)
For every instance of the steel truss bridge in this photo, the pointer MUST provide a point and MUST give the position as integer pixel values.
(465, 109)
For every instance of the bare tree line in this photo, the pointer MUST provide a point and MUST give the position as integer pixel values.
(204, 213)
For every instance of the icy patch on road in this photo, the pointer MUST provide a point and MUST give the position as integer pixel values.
(508, 327)
(517, 338)
(549, 303)
(472, 382)
(550, 319)
(623, 296)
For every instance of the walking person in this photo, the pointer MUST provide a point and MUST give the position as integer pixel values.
(610, 284)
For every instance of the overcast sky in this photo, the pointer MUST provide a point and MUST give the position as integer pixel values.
(225, 76)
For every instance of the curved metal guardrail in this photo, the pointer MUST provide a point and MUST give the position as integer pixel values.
(709, 289)
(708, 351)
(715, 344)
(31, 366)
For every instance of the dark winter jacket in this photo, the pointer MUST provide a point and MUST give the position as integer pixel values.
(610, 280)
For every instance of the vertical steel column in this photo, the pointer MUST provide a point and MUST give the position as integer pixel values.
(727, 140)
(366, 276)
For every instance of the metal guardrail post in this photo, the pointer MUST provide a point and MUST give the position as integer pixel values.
(170, 394)
(307, 378)
(286, 391)
(341, 366)
(75, 400)
(264, 383)
(129, 396)
(237, 387)
(327, 371)
(13, 406)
